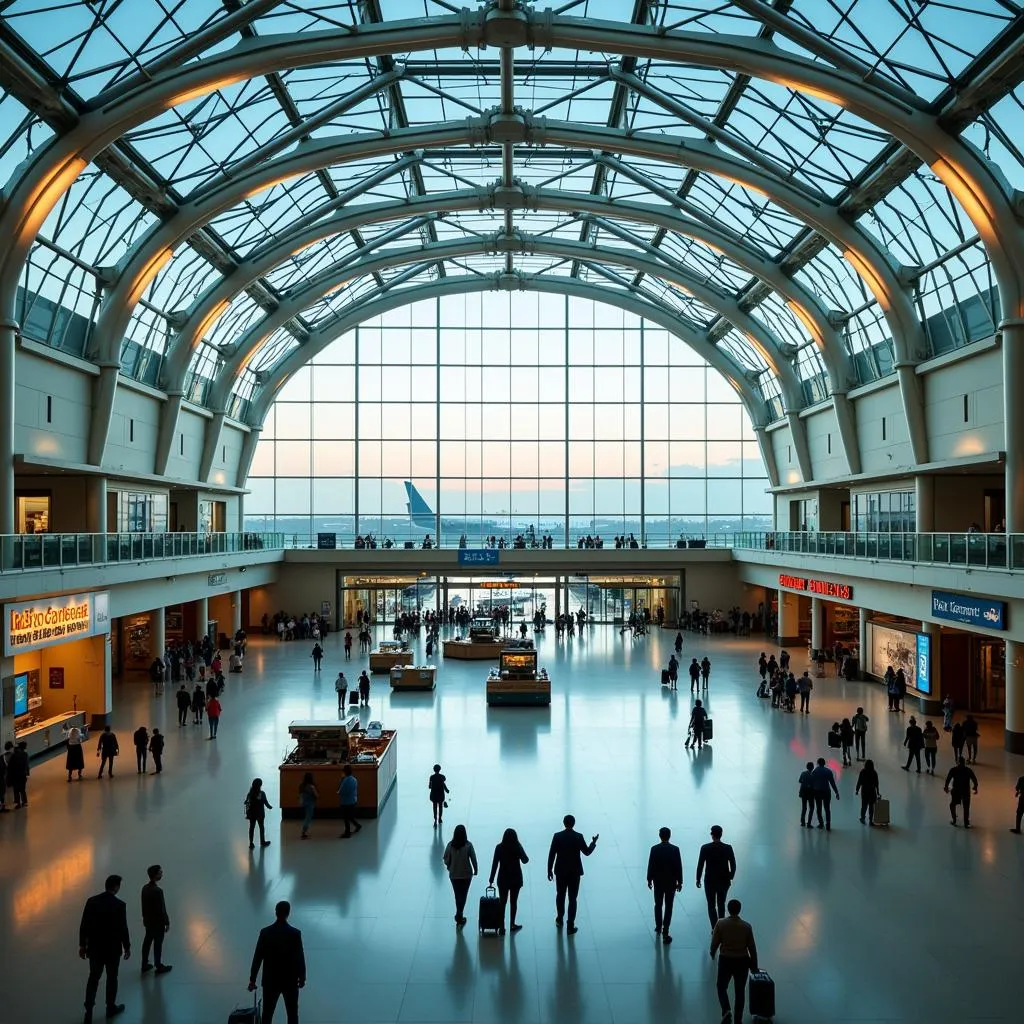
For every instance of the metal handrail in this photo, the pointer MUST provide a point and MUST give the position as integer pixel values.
(22, 552)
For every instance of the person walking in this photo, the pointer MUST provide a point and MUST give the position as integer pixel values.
(308, 797)
(971, 739)
(673, 671)
(156, 748)
(317, 656)
(438, 788)
(106, 750)
(694, 675)
(960, 780)
(565, 869)
(806, 796)
(1019, 793)
(141, 740)
(341, 689)
(279, 952)
(665, 879)
(348, 797)
(868, 788)
(892, 690)
(823, 783)
(957, 739)
(679, 643)
(256, 806)
(705, 671)
(733, 940)
(348, 646)
(698, 716)
(860, 733)
(213, 711)
(762, 666)
(947, 713)
(931, 746)
(804, 686)
(18, 771)
(914, 742)
(75, 759)
(364, 688)
(184, 702)
(716, 864)
(507, 867)
(846, 740)
(901, 690)
(198, 705)
(103, 940)
(460, 860)
(155, 921)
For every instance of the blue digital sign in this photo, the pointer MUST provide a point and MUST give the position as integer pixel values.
(967, 608)
(923, 680)
(21, 695)
(478, 556)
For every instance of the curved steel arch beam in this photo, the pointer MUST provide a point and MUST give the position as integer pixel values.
(761, 337)
(465, 284)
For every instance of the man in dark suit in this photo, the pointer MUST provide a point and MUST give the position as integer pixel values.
(665, 877)
(279, 951)
(565, 868)
(102, 940)
(155, 921)
(717, 864)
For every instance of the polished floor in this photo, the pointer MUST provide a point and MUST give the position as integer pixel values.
(920, 922)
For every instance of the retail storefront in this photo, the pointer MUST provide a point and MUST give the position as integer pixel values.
(56, 667)
(819, 611)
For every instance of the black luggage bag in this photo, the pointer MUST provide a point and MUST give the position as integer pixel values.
(491, 918)
(666, 677)
(247, 1014)
(709, 730)
(761, 996)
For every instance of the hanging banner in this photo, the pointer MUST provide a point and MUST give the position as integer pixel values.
(54, 620)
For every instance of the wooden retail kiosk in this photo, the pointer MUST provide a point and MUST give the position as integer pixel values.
(323, 749)
(483, 644)
(390, 653)
(516, 681)
(409, 677)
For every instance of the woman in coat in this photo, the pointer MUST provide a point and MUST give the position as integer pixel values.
(867, 787)
(507, 865)
(460, 860)
(75, 761)
(256, 807)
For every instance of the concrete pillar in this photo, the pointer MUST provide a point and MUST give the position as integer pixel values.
(932, 704)
(817, 621)
(236, 612)
(6, 721)
(8, 334)
(1014, 737)
(158, 630)
(558, 596)
(202, 615)
(96, 504)
(862, 640)
(924, 499)
(789, 617)
(1012, 331)
(100, 720)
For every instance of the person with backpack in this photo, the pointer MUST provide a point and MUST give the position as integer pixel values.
(348, 645)
(460, 860)
(868, 790)
(892, 689)
(317, 656)
(256, 806)
(341, 688)
(860, 732)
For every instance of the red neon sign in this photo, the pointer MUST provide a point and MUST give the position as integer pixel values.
(823, 588)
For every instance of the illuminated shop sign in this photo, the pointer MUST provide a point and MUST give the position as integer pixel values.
(820, 588)
(497, 585)
(36, 624)
(975, 611)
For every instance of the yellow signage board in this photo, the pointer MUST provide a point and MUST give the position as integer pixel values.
(54, 620)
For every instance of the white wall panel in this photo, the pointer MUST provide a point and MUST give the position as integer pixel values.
(66, 435)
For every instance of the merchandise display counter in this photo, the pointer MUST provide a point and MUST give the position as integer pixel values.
(323, 751)
(411, 677)
(517, 682)
(389, 654)
(49, 733)
(472, 650)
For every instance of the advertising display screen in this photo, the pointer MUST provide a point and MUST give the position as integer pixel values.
(888, 645)
(21, 694)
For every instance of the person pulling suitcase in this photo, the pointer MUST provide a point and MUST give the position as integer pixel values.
(733, 940)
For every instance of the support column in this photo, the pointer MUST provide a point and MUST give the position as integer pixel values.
(862, 641)
(558, 596)
(202, 615)
(924, 500)
(236, 612)
(158, 622)
(96, 504)
(789, 618)
(1014, 735)
(932, 704)
(8, 336)
(1012, 331)
(103, 393)
(99, 720)
(817, 611)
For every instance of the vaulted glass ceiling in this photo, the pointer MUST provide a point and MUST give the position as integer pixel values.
(714, 190)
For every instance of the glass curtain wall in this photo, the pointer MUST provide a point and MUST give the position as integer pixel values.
(507, 416)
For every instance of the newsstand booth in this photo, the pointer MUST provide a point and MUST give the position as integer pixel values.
(56, 668)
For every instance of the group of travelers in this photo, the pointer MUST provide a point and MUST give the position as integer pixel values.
(182, 660)
(567, 623)
(308, 626)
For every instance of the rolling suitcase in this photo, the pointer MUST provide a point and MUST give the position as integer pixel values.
(247, 1014)
(761, 996)
(709, 730)
(353, 698)
(666, 678)
(491, 916)
(882, 812)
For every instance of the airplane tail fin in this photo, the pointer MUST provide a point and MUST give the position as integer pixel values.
(419, 511)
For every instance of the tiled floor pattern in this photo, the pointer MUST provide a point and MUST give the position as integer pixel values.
(921, 922)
